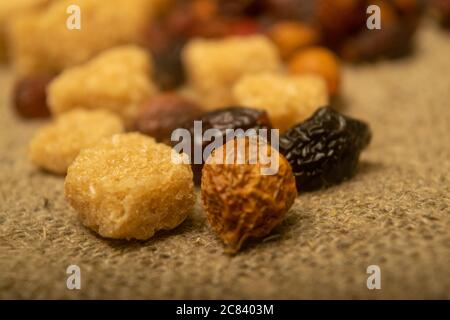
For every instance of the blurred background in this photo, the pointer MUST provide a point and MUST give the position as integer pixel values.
(394, 213)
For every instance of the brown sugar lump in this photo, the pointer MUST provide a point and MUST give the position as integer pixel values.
(42, 42)
(8, 11)
(129, 187)
(213, 66)
(287, 99)
(117, 80)
(247, 189)
(55, 146)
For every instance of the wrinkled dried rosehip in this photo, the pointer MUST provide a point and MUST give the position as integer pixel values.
(161, 115)
(324, 150)
(30, 97)
(238, 198)
(223, 119)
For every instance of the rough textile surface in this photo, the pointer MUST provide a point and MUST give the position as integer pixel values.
(395, 213)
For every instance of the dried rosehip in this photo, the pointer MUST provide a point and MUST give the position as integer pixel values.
(242, 27)
(290, 36)
(235, 8)
(223, 119)
(321, 61)
(393, 40)
(410, 11)
(240, 200)
(442, 8)
(339, 18)
(325, 149)
(210, 29)
(30, 97)
(301, 10)
(204, 9)
(161, 115)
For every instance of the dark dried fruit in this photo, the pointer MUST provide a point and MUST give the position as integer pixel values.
(223, 119)
(30, 97)
(169, 71)
(392, 41)
(235, 8)
(240, 201)
(410, 11)
(338, 19)
(161, 115)
(325, 149)
(242, 27)
(442, 10)
(300, 10)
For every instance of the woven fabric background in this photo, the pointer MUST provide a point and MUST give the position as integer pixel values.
(395, 213)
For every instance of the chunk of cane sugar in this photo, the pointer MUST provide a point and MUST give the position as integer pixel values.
(118, 80)
(129, 187)
(287, 99)
(56, 145)
(213, 66)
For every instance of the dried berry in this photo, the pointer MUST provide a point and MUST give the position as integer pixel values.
(325, 149)
(339, 18)
(30, 97)
(223, 119)
(287, 99)
(240, 200)
(410, 11)
(442, 10)
(321, 61)
(300, 10)
(399, 21)
(129, 187)
(169, 70)
(55, 146)
(290, 36)
(161, 115)
(204, 9)
(235, 8)
(242, 27)
(393, 40)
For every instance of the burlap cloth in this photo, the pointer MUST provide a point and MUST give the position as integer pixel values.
(395, 213)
